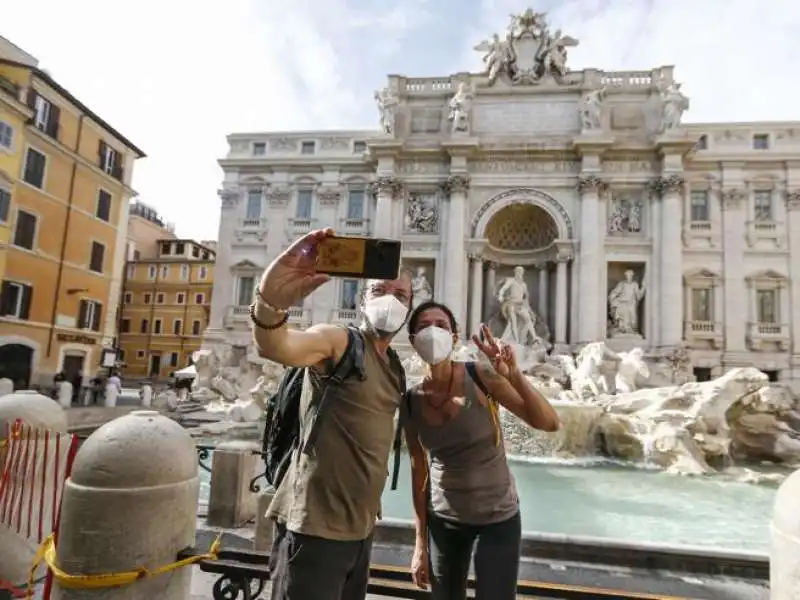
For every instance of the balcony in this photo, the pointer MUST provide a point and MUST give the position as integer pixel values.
(704, 332)
(701, 234)
(765, 234)
(353, 227)
(236, 316)
(768, 336)
(251, 231)
(344, 315)
(299, 317)
(298, 226)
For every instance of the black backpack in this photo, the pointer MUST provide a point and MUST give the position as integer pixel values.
(282, 430)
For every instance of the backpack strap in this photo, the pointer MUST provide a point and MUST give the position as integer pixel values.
(351, 361)
(405, 398)
(472, 371)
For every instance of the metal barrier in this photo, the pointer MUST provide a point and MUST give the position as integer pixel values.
(243, 574)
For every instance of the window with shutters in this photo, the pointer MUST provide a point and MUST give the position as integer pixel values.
(173, 359)
(151, 272)
(90, 313)
(195, 327)
(184, 272)
(157, 327)
(199, 298)
(203, 273)
(5, 204)
(145, 326)
(164, 272)
(103, 210)
(246, 288)
(35, 163)
(180, 248)
(148, 297)
(128, 298)
(160, 298)
(25, 230)
(6, 135)
(125, 326)
(180, 298)
(46, 115)
(109, 160)
(177, 327)
(96, 260)
(15, 300)
(166, 248)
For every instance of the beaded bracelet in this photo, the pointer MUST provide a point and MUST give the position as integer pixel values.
(264, 326)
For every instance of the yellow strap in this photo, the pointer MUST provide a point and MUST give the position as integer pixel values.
(494, 412)
(47, 554)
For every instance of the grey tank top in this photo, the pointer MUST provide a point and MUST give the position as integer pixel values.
(470, 481)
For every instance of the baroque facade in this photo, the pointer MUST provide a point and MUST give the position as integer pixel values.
(65, 187)
(631, 226)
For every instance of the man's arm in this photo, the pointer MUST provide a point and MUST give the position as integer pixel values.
(295, 348)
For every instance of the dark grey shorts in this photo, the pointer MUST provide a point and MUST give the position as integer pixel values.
(304, 567)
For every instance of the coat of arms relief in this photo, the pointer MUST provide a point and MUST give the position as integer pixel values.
(529, 51)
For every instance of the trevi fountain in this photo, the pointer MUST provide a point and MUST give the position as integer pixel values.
(632, 422)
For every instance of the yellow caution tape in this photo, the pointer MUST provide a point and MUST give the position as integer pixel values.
(47, 554)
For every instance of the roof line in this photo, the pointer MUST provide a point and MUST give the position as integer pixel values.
(81, 106)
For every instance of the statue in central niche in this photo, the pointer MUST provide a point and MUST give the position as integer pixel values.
(516, 311)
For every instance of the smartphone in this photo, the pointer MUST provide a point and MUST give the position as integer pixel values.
(359, 257)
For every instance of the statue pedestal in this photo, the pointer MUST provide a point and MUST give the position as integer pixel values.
(624, 342)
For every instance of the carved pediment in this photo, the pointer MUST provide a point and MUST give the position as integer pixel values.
(766, 275)
(701, 275)
(246, 265)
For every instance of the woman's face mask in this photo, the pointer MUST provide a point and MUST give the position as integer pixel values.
(434, 344)
(385, 314)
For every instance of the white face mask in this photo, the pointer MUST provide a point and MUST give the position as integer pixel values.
(386, 314)
(434, 344)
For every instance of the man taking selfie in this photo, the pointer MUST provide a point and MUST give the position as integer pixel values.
(327, 502)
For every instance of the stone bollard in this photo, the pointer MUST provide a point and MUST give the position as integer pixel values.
(784, 560)
(146, 394)
(6, 386)
(231, 503)
(65, 394)
(110, 397)
(264, 526)
(87, 396)
(131, 502)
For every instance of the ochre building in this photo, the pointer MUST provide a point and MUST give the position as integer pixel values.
(166, 304)
(65, 187)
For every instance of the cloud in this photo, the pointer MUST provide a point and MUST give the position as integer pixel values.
(177, 76)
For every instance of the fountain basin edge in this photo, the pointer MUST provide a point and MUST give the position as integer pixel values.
(582, 549)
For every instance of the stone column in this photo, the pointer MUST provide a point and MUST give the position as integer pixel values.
(669, 189)
(543, 276)
(591, 259)
(476, 295)
(490, 285)
(562, 301)
(456, 188)
(793, 226)
(384, 188)
(736, 296)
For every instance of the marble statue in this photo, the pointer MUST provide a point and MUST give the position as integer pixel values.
(460, 105)
(516, 310)
(631, 366)
(421, 287)
(498, 56)
(625, 217)
(422, 213)
(674, 103)
(387, 105)
(590, 109)
(623, 302)
(528, 52)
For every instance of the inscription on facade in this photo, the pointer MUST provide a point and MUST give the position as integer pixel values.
(490, 165)
(533, 115)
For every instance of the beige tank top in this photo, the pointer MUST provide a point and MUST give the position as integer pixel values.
(335, 493)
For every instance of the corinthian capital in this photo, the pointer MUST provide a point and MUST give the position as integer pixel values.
(230, 197)
(386, 184)
(793, 200)
(456, 183)
(731, 198)
(667, 184)
(591, 183)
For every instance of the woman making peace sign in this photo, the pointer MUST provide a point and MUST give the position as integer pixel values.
(465, 493)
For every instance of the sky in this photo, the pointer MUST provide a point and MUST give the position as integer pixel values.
(177, 76)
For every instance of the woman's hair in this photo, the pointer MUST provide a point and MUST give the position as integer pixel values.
(413, 321)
